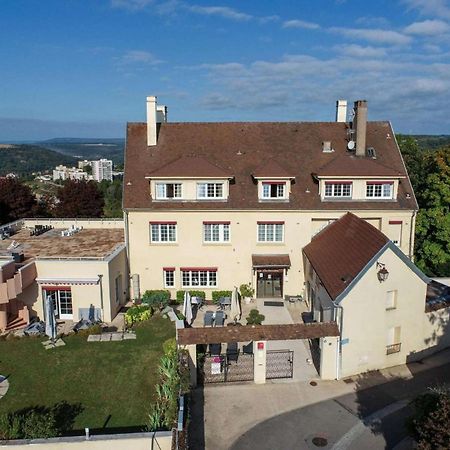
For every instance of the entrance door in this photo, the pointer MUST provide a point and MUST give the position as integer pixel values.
(62, 302)
(269, 284)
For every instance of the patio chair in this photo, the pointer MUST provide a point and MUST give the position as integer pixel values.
(232, 352)
(248, 348)
(215, 349)
(208, 319)
(219, 320)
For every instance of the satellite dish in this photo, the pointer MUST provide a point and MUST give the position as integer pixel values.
(351, 145)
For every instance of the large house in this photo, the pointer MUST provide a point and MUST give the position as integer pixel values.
(214, 205)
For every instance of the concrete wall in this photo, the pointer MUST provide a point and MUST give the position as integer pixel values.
(233, 259)
(136, 441)
(366, 321)
(66, 223)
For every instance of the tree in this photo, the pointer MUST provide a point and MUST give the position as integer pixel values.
(16, 200)
(433, 220)
(431, 420)
(79, 198)
(112, 193)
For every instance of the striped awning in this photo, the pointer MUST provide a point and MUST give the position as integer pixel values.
(68, 281)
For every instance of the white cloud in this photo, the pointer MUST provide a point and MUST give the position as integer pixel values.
(138, 57)
(132, 5)
(428, 28)
(296, 23)
(373, 21)
(378, 36)
(358, 51)
(433, 8)
(222, 11)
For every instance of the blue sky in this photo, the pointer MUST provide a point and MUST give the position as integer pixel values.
(83, 68)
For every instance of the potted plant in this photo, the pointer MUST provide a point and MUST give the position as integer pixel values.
(255, 318)
(247, 292)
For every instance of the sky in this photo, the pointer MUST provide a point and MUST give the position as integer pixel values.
(83, 68)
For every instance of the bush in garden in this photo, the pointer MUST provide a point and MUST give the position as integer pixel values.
(180, 295)
(217, 294)
(156, 298)
(255, 318)
(137, 314)
(246, 290)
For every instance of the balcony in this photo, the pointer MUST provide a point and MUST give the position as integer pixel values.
(394, 348)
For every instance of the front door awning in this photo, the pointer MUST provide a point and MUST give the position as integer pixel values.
(271, 261)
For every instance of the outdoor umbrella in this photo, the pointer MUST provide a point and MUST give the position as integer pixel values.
(187, 307)
(235, 312)
(50, 323)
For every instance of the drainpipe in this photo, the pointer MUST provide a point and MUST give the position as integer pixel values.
(100, 276)
(339, 355)
(411, 234)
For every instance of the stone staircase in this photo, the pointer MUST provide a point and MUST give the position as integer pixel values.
(16, 324)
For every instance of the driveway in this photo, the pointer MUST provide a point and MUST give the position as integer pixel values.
(367, 411)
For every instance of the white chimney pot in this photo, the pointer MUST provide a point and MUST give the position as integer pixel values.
(341, 111)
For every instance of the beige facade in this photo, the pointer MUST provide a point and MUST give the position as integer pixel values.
(383, 324)
(233, 259)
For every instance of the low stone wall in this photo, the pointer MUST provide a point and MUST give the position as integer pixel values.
(137, 441)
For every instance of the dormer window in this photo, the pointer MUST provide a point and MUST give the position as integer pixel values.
(380, 189)
(166, 191)
(273, 190)
(209, 190)
(338, 189)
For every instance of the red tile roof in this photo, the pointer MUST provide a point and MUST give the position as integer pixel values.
(341, 250)
(240, 149)
(272, 168)
(271, 261)
(191, 167)
(215, 335)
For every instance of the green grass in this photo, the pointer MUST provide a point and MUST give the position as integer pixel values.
(113, 381)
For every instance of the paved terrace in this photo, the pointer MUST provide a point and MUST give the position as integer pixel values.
(87, 243)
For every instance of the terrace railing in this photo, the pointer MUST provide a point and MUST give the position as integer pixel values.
(394, 348)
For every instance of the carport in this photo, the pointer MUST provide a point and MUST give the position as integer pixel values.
(327, 333)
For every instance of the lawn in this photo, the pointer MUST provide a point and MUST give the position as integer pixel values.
(112, 383)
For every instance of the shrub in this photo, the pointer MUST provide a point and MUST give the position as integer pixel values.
(137, 314)
(170, 346)
(156, 298)
(255, 318)
(217, 294)
(94, 329)
(180, 295)
(246, 290)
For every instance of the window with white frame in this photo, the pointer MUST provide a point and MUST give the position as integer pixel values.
(338, 190)
(210, 190)
(391, 300)
(169, 277)
(379, 190)
(273, 190)
(216, 232)
(168, 190)
(163, 231)
(270, 231)
(61, 297)
(198, 277)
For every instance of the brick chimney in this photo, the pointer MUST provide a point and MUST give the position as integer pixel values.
(360, 127)
(341, 111)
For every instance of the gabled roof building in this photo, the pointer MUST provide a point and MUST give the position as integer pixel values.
(204, 201)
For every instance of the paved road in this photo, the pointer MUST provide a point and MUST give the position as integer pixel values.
(358, 420)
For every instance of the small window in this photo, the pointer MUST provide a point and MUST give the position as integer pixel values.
(273, 190)
(210, 190)
(168, 190)
(270, 231)
(338, 190)
(391, 300)
(163, 232)
(379, 190)
(216, 232)
(393, 340)
(198, 277)
(169, 277)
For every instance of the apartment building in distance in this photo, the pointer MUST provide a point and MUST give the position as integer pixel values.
(102, 169)
(69, 173)
(214, 205)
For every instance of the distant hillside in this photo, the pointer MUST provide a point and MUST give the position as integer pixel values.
(88, 148)
(431, 142)
(24, 159)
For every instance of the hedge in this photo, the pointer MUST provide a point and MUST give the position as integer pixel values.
(156, 298)
(180, 295)
(217, 294)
